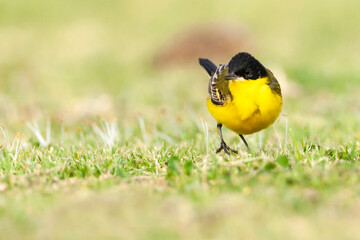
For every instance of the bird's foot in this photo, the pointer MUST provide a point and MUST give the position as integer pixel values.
(226, 148)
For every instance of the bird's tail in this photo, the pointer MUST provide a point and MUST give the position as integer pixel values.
(208, 65)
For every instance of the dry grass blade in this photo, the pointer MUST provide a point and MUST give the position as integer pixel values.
(108, 132)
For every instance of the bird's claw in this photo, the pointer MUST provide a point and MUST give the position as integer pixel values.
(226, 148)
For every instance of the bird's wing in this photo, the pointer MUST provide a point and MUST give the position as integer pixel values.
(219, 87)
(273, 83)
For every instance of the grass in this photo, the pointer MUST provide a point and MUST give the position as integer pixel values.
(97, 143)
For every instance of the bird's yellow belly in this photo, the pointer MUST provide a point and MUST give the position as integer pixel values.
(254, 107)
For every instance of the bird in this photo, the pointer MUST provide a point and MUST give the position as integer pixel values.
(244, 96)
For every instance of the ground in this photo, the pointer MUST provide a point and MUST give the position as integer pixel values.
(99, 143)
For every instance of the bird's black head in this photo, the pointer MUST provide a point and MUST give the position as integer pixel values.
(243, 65)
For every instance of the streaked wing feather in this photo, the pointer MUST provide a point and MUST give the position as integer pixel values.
(218, 87)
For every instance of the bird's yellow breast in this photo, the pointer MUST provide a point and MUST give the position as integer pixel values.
(253, 107)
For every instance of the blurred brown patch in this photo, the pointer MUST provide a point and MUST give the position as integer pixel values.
(217, 42)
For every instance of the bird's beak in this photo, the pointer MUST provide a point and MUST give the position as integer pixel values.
(230, 76)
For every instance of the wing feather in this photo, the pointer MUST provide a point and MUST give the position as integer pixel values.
(219, 87)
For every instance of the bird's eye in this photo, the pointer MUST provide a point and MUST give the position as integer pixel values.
(247, 73)
(238, 73)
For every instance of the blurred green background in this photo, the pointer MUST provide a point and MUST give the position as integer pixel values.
(72, 61)
(55, 53)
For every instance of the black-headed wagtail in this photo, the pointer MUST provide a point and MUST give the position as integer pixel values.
(244, 96)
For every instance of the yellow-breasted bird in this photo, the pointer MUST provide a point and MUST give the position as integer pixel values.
(244, 96)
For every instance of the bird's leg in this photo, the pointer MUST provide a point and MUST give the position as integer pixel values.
(223, 145)
(246, 144)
